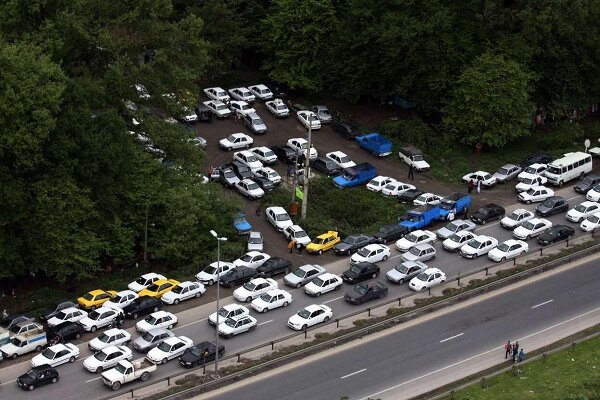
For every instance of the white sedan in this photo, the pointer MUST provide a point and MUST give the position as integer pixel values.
(530, 182)
(415, 238)
(109, 337)
(272, 299)
(228, 311)
(170, 348)
(278, 108)
(379, 182)
(159, 319)
(427, 279)
(396, 188)
(309, 316)
(216, 93)
(238, 107)
(252, 259)
(122, 299)
(250, 189)
(278, 217)
(593, 194)
(531, 228)
(208, 275)
(70, 314)
(249, 159)
(535, 194)
(183, 291)
(478, 246)
(591, 223)
(427, 198)
(508, 249)
(236, 141)
(371, 253)
(218, 108)
(261, 91)
(457, 240)
(300, 145)
(265, 155)
(297, 234)
(236, 325)
(341, 159)
(269, 174)
(242, 93)
(516, 218)
(582, 211)
(144, 281)
(309, 118)
(532, 170)
(107, 358)
(254, 288)
(56, 355)
(487, 179)
(99, 318)
(322, 284)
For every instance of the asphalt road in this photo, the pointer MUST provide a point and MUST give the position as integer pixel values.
(385, 367)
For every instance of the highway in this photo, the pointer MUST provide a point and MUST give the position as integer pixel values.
(76, 383)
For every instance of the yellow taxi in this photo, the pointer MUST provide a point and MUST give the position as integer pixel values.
(159, 287)
(95, 298)
(323, 242)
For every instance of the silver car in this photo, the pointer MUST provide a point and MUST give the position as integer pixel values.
(303, 275)
(151, 339)
(255, 241)
(322, 112)
(420, 252)
(455, 226)
(255, 123)
(405, 272)
(507, 172)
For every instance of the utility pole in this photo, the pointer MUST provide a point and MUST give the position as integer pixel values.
(306, 173)
(146, 238)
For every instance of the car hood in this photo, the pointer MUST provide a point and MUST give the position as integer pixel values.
(444, 232)
(297, 320)
(142, 343)
(478, 215)
(408, 256)
(543, 208)
(26, 379)
(189, 357)
(353, 294)
(111, 375)
(351, 274)
(291, 278)
(343, 246)
(421, 164)
(395, 274)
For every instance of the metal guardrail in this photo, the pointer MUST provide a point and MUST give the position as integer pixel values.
(395, 319)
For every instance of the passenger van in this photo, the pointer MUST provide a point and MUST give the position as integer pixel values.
(571, 166)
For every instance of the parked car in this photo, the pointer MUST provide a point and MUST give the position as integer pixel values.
(353, 243)
(255, 241)
(227, 176)
(249, 159)
(455, 226)
(427, 279)
(255, 123)
(322, 113)
(409, 196)
(300, 145)
(269, 174)
(360, 272)
(507, 172)
(379, 182)
(218, 108)
(413, 156)
(238, 276)
(122, 299)
(478, 246)
(242, 93)
(159, 287)
(204, 113)
(265, 155)
(366, 291)
(532, 171)
(261, 92)
(95, 298)
(457, 240)
(488, 213)
(270, 300)
(530, 182)
(151, 339)
(587, 183)
(593, 194)
(38, 376)
(508, 249)
(535, 194)
(486, 179)
(582, 211)
(341, 159)
(13, 319)
(241, 224)
(405, 271)
(310, 315)
(303, 275)
(308, 118)
(396, 188)
(265, 184)
(323, 242)
(345, 129)
(236, 141)
(274, 266)
(278, 108)
(536, 158)
(555, 234)
(200, 354)
(67, 315)
(216, 93)
(420, 252)
(285, 154)
(249, 189)
(279, 218)
(142, 306)
(375, 143)
(52, 310)
(325, 166)
(427, 199)
(65, 332)
(297, 234)
(251, 259)
(390, 232)
(516, 218)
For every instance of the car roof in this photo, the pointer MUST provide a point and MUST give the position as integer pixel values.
(113, 331)
(422, 246)
(277, 210)
(313, 307)
(511, 242)
(432, 270)
(160, 313)
(150, 275)
(260, 86)
(327, 275)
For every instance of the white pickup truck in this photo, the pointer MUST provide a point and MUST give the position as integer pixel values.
(21, 344)
(128, 371)
(413, 156)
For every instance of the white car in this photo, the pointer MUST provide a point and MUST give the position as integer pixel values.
(341, 159)
(427, 198)
(269, 174)
(254, 288)
(582, 211)
(487, 179)
(455, 226)
(427, 279)
(218, 108)
(530, 182)
(532, 170)
(236, 141)
(457, 240)
(107, 358)
(531, 228)
(300, 145)
(208, 276)
(278, 108)
(371, 253)
(272, 299)
(261, 91)
(238, 107)
(379, 182)
(236, 325)
(56, 355)
(516, 218)
(242, 93)
(478, 246)
(216, 93)
(535, 194)
(122, 299)
(415, 238)
(188, 115)
(183, 291)
(396, 188)
(508, 249)
(70, 314)
(169, 349)
(420, 252)
(110, 337)
(591, 223)
(252, 259)
(309, 118)
(256, 241)
(142, 91)
(298, 234)
(250, 189)
(322, 284)
(278, 217)
(304, 274)
(404, 272)
(593, 194)
(228, 311)
(100, 318)
(159, 319)
(309, 316)
(265, 155)
(144, 281)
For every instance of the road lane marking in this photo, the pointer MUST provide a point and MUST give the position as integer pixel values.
(92, 380)
(354, 373)
(329, 301)
(574, 197)
(191, 323)
(488, 226)
(266, 322)
(542, 304)
(397, 256)
(452, 337)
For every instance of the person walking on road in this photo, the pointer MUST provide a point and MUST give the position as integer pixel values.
(411, 172)
(521, 356)
(291, 245)
(470, 186)
(466, 212)
(507, 349)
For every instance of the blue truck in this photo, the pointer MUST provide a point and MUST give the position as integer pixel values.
(375, 143)
(241, 224)
(358, 175)
(420, 217)
(453, 205)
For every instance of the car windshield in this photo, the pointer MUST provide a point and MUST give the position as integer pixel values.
(361, 289)
(417, 157)
(503, 247)
(403, 269)
(223, 312)
(229, 174)
(415, 251)
(283, 217)
(531, 170)
(177, 290)
(300, 273)
(148, 337)
(587, 181)
(345, 159)
(423, 277)
(304, 314)
(486, 177)
(257, 121)
(120, 369)
(412, 238)
(266, 297)
(391, 186)
(49, 354)
(249, 286)
(503, 171)
(312, 117)
(530, 192)
(32, 374)
(452, 227)
(246, 258)
(422, 198)
(594, 219)
(88, 296)
(61, 315)
(364, 252)
(100, 356)
(515, 216)
(300, 234)
(529, 181)
(349, 240)
(104, 338)
(231, 138)
(355, 269)
(268, 154)
(252, 186)
(153, 288)
(319, 241)
(255, 240)
(251, 158)
(318, 281)
(554, 170)
(474, 243)
(528, 225)
(210, 270)
(455, 238)
(150, 319)
(117, 298)
(164, 346)
(230, 322)
(221, 107)
(581, 208)
(245, 107)
(281, 107)
(95, 315)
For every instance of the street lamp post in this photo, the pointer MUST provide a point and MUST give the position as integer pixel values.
(306, 174)
(219, 240)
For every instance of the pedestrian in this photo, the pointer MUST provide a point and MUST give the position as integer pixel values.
(466, 211)
(521, 356)
(257, 212)
(289, 171)
(291, 245)
(300, 247)
(4, 314)
(411, 172)
(507, 349)
(515, 352)
(451, 215)
(479, 186)
(478, 147)
(470, 186)
(238, 117)
(516, 346)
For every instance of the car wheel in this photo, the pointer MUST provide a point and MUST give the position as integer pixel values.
(210, 283)
(99, 370)
(92, 308)
(401, 281)
(318, 294)
(135, 316)
(144, 376)
(264, 310)
(176, 301)
(38, 349)
(304, 327)
(374, 275)
(155, 309)
(170, 326)
(528, 237)
(54, 380)
(286, 271)
(229, 149)
(285, 303)
(385, 257)
(14, 356)
(483, 221)
(248, 299)
(528, 202)
(72, 359)
(326, 319)
(298, 285)
(93, 328)
(320, 252)
(164, 360)
(247, 146)
(31, 387)
(198, 294)
(77, 335)
(503, 259)
(338, 287)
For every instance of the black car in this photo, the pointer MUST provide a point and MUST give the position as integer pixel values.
(200, 354)
(14, 319)
(285, 154)
(238, 276)
(274, 266)
(65, 331)
(365, 292)
(241, 170)
(487, 213)
(352, 243)
(51, 311)
(204, 114)
(409, 196)
(390, 232)
(537, 158)
(325, 166)
(552, 205)
(555, 234)
(142, 306)
(345, 129)
(587, 183)
(265, 184)
(361, 272)
(38, 376)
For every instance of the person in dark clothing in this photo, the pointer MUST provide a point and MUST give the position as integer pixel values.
(470, 186)
(411, 172)
(507, 349)
(466, 211)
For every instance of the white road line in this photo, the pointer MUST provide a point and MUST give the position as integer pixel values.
(354, 373)
(574, 197)
(266, 322)
(487, 226)
(191, 323)
(541, 304)
(329, 301)
(452, 337)
(6, 383)
(92, 380)
(397, 256)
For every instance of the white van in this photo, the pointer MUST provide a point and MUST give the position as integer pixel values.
(571, 166)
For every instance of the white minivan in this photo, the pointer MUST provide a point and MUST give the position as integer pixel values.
(571, 166)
